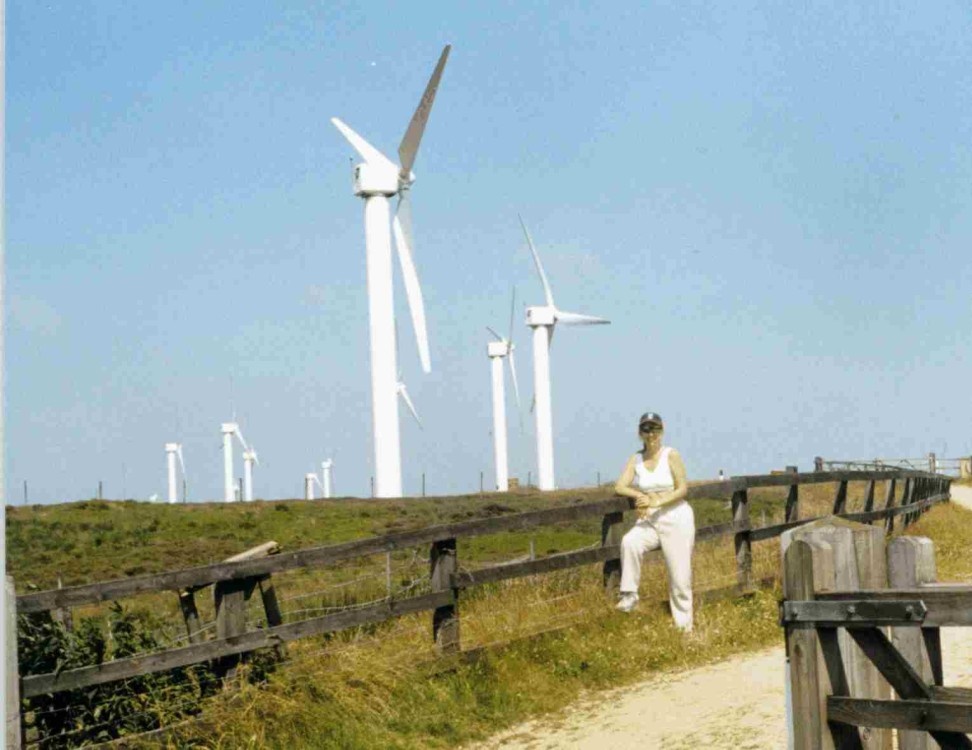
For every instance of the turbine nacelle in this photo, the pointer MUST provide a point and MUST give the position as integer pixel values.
(541, 316)
(375, 179)
(498, 348)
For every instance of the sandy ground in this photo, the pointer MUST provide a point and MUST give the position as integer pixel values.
(737, 703)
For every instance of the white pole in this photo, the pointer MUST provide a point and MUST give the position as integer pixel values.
(496, 350)
(229, 487)
(326, 476)
(543, 411)
(308, 486)
(170, 456)
(248, 475)
(381, 312)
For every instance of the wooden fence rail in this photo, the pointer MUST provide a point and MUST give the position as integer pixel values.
(233, 578)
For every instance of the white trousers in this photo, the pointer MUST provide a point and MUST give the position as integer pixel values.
(673, 529)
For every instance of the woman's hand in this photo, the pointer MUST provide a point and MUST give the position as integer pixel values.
(648, 500)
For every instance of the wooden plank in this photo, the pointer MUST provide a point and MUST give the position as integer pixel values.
(933, 647)
(948, 606)
(920, 715)
(907, 683)
(845, 736)
(742, 542)
(13, 732)
(445, 618)
(230, 602)
(869, 496)
(911, 563)
(806, 565)
(250, 641)
(187, 603)
(889, 491)
(792, 511)
(612, 530)
(468, 579)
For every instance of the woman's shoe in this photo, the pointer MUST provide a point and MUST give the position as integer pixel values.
(628, 602)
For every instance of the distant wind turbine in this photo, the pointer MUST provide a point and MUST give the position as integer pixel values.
(229, 486)
(543, 319)
(326, 474)
(498, 350)
(173, 453)
(376, 180)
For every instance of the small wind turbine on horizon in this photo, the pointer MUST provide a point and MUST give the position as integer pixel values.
(497, 351)
(229, 485)
(310, 479)
(543, 319)
(173, 452)
(249, 459)
(326, 476)
(376, 180)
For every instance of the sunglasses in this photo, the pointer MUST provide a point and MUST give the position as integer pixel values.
(653, 430)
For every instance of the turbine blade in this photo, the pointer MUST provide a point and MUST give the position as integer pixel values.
(182, 464)
(576, 319)
(516, 387)
(403, 392)
(239, 436)
(536, 259)
(402, 229)
(408, 148)
(495, 335)
(509, 340)
(368, 152)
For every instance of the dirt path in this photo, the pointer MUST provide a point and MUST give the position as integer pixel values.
(702, 707)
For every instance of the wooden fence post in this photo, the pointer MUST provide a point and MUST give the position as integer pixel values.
(808, 564)
(14, 730)
(840, 498)
(445, 620)
(612, 529)
(793, 499)
(889, 503)
(869, 497)
(858, 562)
(742, 541)
(187, 603)
(911, 563)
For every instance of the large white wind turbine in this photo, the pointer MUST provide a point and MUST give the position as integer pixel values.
(543, 319)
(173, 453)
(497, 351)
(249, 458)
(229, 486)
(376, 180)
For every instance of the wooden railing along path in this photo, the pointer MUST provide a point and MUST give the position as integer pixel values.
(236, 579)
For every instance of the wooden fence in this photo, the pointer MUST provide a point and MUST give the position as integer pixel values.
(236, 579)
(836, 610)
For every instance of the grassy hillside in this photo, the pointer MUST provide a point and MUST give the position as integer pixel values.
(383, 686)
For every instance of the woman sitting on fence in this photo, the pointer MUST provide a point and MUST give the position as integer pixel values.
(655, 478)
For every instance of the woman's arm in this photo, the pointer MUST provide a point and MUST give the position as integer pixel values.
(623, 485)
(679, 480)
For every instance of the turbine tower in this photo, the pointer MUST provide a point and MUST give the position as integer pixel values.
(497, 351)
(173, 453)
(326, 474)
(543, 319)
(309, 479)
(249, 458)
(376, 180)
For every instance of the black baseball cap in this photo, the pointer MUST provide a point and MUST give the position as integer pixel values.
(650, 417)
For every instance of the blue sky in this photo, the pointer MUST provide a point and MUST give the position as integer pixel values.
(772, 204)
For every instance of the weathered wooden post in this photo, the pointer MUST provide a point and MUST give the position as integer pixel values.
(14, 731)
(445, 619)
(840, 498)
(911, 563)
(793, 499)
(889, 491)
(857, 562)
(869, 496)
(612, 529)
(742, 541)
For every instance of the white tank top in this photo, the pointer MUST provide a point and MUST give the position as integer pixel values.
(659, 479)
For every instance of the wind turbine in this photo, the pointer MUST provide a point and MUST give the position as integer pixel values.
(497, 351)
(376, 180)
(326, 474)
(543, 319)
(229, 486)
(249, 458)
(310, 478)
(173, 452)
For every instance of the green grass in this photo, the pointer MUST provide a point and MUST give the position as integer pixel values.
(383, 686)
